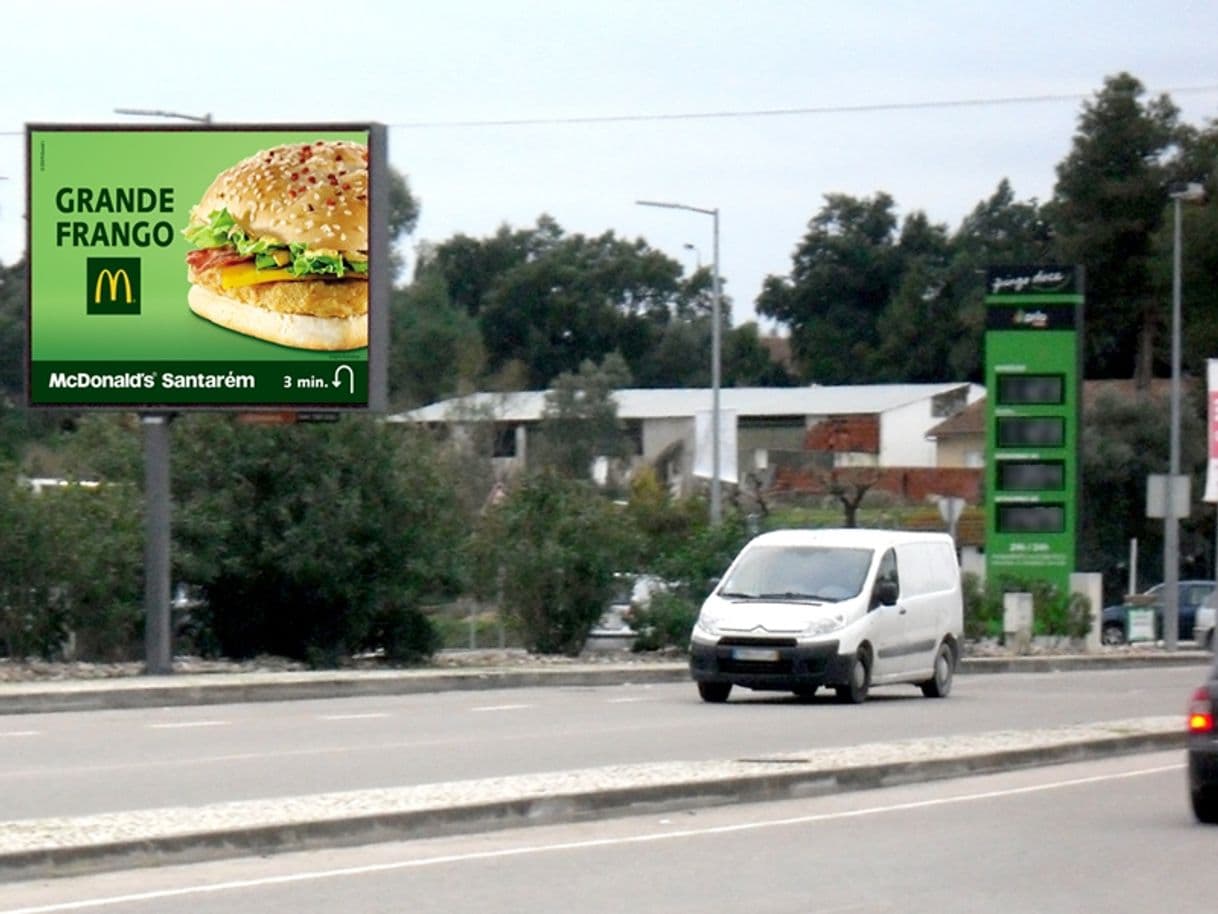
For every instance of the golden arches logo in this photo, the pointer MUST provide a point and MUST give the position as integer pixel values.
(112, 285)
(112, 277)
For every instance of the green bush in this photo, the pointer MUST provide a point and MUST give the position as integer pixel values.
(1054, 612)
(404, 633)
(549, 551)
(300, 536)
(980, 620)
(70, 571)
(665, 622)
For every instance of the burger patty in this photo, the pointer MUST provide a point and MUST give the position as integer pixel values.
(346, 297)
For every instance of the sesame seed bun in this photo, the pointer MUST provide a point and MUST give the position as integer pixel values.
(313, 193)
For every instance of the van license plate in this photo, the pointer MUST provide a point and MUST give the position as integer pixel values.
(755, 654)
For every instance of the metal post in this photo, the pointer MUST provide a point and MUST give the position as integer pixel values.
(1189, 192)
(716, 484)
(1171, 523)
(158, 650)
(716, 506)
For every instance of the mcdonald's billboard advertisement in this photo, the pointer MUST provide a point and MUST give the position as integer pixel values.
(223, 267)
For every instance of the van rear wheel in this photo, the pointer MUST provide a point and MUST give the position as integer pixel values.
(714, 692)
(940, 684)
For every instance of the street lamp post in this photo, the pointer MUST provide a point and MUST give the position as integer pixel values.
(716, 491)
(153, 112)
(1179, 193)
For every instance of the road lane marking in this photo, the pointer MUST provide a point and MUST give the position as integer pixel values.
(22, 733)
(187, 724)
(628, 701)
(371, 715)
(485, 708)
(562, 846)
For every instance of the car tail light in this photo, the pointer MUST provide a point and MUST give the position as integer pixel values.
(1201, 712)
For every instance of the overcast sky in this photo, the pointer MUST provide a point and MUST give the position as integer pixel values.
(499, 112)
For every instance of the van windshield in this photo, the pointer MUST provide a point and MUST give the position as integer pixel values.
(798, 573)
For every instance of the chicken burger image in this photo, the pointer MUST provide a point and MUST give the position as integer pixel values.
(281, 246)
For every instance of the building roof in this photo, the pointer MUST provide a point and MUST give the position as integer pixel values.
(969, 421)
(664, 403)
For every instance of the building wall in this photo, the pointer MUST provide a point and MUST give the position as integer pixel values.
(903, 435)
(961, 451)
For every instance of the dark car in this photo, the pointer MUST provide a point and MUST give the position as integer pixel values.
(1203, 750)
(1192, 595)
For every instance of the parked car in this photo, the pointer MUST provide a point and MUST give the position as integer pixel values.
(1192, 594)
(1203, 623)
(1203, 750)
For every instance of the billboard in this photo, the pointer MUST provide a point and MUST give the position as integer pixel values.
(1033, 407)
(225, 267)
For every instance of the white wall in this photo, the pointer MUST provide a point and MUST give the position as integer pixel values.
(903, 431)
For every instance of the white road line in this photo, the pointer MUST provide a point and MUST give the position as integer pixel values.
(500, 708)
(627, 701)
(22, 733)
(372, 715)
(592, 843)
(187, 724)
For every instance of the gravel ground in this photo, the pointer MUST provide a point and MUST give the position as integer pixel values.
(39, 670)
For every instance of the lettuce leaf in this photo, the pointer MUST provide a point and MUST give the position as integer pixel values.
(221, 229)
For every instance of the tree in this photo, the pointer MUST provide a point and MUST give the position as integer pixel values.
(919, 324)
(1125, 440)
(548, 301)
(579, 422)
(1197, 162)
(748, 363)
(1108, 202)
(404, 210)
(12, 330)
(843, 275)
(436, 349)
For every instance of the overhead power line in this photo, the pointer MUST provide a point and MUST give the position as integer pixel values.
(783, 112)
(868, 108)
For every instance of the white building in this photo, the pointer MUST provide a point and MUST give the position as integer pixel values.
(755, 422)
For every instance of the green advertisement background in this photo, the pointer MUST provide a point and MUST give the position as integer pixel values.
(1042, 555)
(166, 331)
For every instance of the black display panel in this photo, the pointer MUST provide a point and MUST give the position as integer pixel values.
(1031, 431)
(1031, 475)
(1031, 389)
(1044, 518)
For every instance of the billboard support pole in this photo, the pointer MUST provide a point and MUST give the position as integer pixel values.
(158, 650)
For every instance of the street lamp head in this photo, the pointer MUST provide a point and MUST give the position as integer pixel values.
(1187, 191)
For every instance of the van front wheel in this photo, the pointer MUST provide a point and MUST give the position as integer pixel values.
(858, 682)
(714, 692)
(940, 684)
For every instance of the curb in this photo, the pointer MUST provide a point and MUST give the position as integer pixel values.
(224, 688)
(36, 849)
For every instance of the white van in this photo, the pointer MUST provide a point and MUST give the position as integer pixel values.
(852, 608)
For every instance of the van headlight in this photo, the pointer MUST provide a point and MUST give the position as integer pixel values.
(825, 625)
(707, 625)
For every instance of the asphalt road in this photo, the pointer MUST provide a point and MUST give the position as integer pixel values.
(1113, 835)
(109, 761)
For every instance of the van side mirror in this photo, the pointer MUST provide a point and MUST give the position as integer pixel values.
(886, 592)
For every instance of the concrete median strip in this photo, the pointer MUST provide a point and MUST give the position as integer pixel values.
(38, 848)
